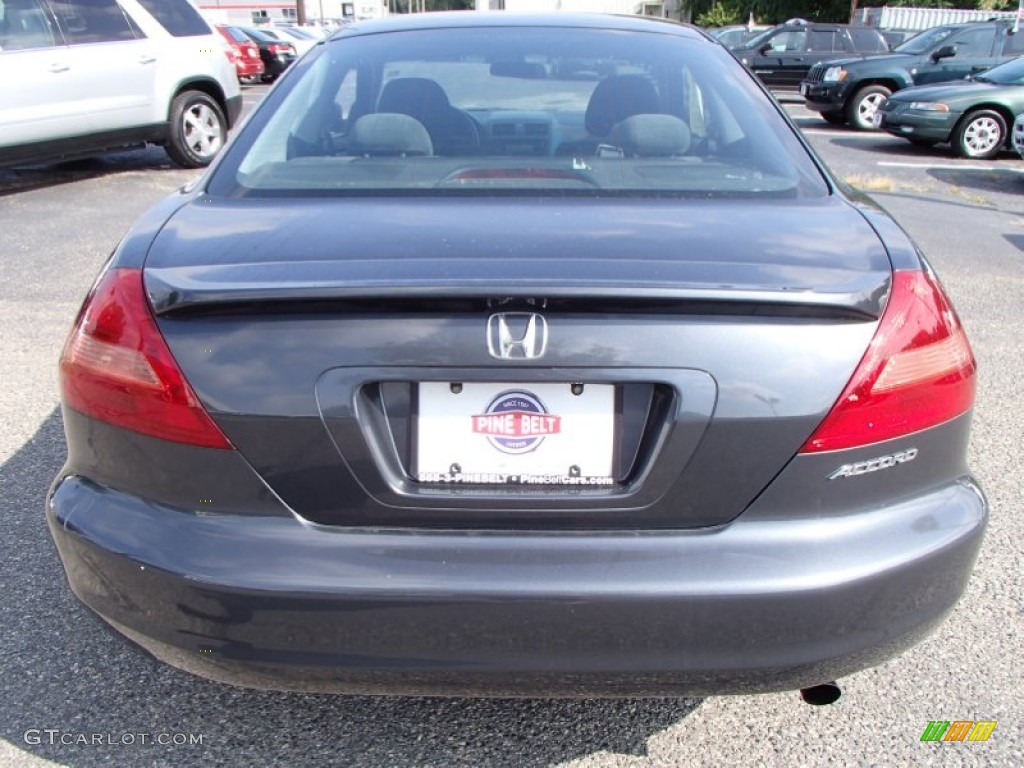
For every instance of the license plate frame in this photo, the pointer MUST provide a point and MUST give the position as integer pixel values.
(515, 434)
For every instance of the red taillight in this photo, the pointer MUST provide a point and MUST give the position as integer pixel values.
(116, 367)
(275, 48)
(918, 371)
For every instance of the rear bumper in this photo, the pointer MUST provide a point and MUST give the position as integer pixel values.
(246, 66)
(755, 606)
(277, 64)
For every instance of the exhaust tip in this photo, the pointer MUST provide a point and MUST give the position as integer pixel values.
(821, 695)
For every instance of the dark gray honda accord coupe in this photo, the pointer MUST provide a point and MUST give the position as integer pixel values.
(518, 355)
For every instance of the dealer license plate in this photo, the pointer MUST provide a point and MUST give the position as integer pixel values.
(515, 434)
(803, 89)
(877, 119)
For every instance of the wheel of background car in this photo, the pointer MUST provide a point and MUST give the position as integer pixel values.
(864, 104)
(980, 134)
(835, 118)
(197, 130)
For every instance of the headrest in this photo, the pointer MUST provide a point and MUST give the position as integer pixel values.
(616, 98)
(651, 136)
(412, 96)
(390, 134)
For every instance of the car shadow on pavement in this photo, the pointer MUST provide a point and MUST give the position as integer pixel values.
(29, 177)
(74, 693)
(996, 178)
(1017, 241)
(897, 148)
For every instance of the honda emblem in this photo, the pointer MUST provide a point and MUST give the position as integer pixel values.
(517, 336)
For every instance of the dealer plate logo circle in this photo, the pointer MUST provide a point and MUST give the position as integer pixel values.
(516, 422)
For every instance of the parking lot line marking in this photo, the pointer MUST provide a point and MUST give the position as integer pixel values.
(948, 166)
(822, 132)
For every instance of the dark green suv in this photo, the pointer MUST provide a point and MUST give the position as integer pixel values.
(781, 56)
(849, 90)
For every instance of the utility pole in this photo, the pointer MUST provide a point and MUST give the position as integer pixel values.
(300, 12)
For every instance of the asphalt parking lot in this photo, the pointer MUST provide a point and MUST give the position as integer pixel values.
(72, 694)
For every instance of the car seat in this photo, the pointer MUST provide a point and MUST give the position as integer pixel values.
(452, 131)
(389, 135)
(613, 100)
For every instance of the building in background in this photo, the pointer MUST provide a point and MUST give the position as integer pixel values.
(334, 11)
(250, 13)
(914, 19)
(660, 8)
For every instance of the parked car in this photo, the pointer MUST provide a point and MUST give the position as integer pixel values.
(737, 34)
(298, 37)
(82, 77)
(247, 61)
(1018, 134)
(457, 374)
(974, 116)
(782, 56)
(850, 90)
(315, 30)
(276, 54)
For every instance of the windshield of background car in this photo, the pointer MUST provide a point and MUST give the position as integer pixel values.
(518, 110)
(1008, 73)
(759, 40)
(925, 41)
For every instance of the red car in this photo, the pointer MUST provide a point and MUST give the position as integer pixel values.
(244, 53)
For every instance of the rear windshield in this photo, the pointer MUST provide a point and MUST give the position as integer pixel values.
(518, 111)
(256, 34)
(237, 35)
(297, 33)
(177, 16)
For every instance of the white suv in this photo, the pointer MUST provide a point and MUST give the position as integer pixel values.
(80, 77)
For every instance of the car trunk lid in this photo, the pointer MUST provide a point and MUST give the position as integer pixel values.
(723, 330)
